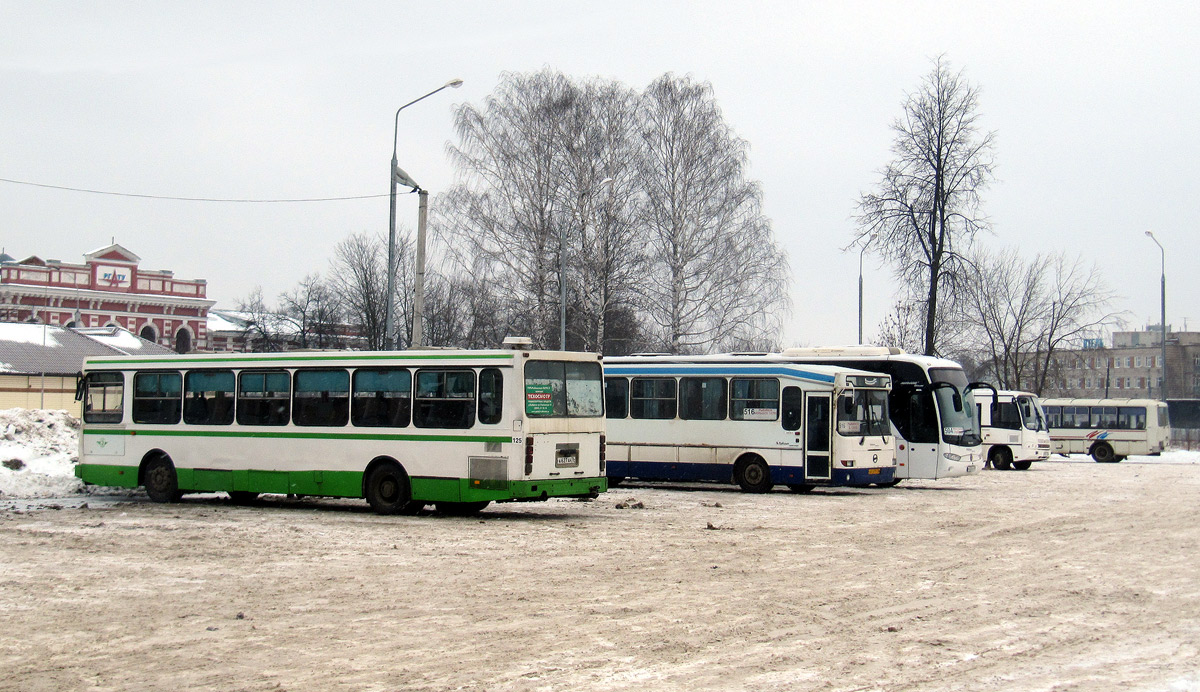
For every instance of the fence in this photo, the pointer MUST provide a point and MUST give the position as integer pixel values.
(1185, 438)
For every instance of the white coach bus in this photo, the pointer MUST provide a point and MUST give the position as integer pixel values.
(1108, 429)
(402, 429)
(932, 411)
(1014, 429)
(748, 420)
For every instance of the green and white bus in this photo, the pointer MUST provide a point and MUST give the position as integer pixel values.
(404, 429)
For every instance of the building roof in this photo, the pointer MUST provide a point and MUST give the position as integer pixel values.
(32, 349)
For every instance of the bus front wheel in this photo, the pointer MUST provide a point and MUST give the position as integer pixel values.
(1001, 458)
(162, 484)
(1022, 465)
(387, 489)
(753, 476)
(1103, 453)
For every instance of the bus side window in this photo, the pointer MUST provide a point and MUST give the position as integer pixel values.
(208, 397)
(264, 398)
(444, 399)
(103, 398)
(322, 397)
(382, 398)
(616, 397)
(491, 390)
(652, 398)
(793, 404)
(157, 397)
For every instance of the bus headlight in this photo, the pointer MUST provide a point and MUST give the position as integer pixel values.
(952, 456)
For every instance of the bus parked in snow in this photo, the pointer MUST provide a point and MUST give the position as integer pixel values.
(402, 429)
(932, 410)
(1108, 429)
(749, 420)
(1013, 425)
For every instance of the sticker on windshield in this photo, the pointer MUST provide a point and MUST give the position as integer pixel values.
(952, 431)
(759, 413)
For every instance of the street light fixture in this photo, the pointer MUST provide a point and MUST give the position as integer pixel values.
(860, 284)
(398, 176)
(1163, 316)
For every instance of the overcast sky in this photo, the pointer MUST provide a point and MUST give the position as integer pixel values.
(1095, 106)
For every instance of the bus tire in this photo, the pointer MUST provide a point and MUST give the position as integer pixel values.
(461, 509)
(1000, 457)
(160, 479)
(753, 475)
(1022, 465)
(890, 484)
(242, 497)
(614, 481)
(800, 487)
(1103, 453)
(387, 489)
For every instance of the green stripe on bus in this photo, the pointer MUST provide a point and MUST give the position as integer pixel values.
(345, 484)
(300, 435)
(272, 359)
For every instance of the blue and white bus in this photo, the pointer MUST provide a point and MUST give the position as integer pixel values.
(748, 420)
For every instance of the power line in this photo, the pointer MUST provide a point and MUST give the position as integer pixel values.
(190, 199)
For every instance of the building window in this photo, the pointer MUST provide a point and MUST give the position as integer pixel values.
(1137, 362)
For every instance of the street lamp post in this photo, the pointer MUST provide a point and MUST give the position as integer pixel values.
(860, 284)
(399, 176)
(1163, 316)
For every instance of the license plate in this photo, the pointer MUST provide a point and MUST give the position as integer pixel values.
(873, 472)
(970, 468)
(566, 455)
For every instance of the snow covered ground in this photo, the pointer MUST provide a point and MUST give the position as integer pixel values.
(38, 452)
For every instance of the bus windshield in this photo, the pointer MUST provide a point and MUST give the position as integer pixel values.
(960, 426)
(863, 412)
(1031, 413)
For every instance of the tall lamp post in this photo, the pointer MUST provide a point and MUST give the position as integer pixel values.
(1163, 316)
(860, 284)
(399, 176)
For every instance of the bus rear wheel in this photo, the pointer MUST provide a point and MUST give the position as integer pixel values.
(461, 509)
(161, 481)
(1001, 458)
(801, 487)
(1103, 453)
(753, 476)
(1022, 465)
(387, 489)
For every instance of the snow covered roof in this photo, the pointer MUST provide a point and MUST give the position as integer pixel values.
(237, 321)
(31, 349)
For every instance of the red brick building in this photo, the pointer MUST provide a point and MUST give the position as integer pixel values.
(108, 289)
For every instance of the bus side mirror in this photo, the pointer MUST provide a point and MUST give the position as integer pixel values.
(847, 405)
(958, 402)
(79, 380)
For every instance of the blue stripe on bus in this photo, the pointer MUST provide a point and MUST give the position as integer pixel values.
(723, 473)
(686, 369)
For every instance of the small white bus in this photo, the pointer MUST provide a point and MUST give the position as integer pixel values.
(1108, 429)
(1014, 429)
(402, 429)
(749, 420)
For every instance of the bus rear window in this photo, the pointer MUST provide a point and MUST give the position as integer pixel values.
(557, 389)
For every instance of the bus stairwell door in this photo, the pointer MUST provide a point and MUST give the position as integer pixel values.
(818, 423)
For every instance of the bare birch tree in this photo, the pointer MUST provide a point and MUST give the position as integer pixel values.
(1025, 313)
(312, 305)
(716, 270)
(359, 275)
(926, 208)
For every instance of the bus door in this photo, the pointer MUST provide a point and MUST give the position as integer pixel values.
(818, 408)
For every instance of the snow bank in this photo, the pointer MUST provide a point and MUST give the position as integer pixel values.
(38, 453)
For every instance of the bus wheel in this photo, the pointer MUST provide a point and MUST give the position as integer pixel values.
(1001, 458)
(614, 481)
(461, 509)
(1103, 453)
(1118, 457)
(890, 484)
(1022, 465)
(800, 488)
(162, 485)
(242, 497)
(387, 489)
(754, 476)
